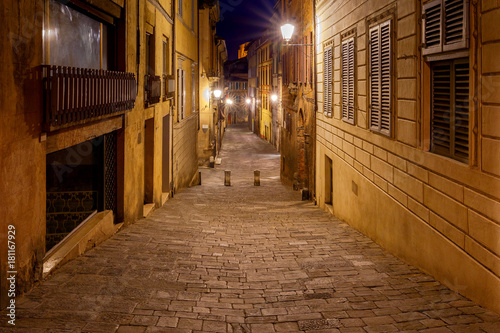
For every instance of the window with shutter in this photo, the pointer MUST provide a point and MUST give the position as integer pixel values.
(181, 94)
(347, 55)
(380, 78)
(327, 81)
(445, 26)
(450, 108)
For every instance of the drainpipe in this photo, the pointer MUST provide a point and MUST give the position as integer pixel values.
(171, 129)
(315, 98)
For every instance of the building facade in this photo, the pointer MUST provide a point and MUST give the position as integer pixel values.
(186, 111)
(407, 136)
(252, 86)
(101, 120)
(213, 55)
(236, 82)
(298, 91)
(264, 75)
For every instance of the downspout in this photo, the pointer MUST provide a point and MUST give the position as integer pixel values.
(315, 98)
(138, 46)
(174, 73)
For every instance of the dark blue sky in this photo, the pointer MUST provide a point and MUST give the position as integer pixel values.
(242, 21)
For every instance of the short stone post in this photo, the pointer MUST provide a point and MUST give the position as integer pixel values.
(227, 178)
(256, 178)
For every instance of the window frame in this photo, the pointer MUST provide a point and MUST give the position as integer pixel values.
(348, 107)
(381, 121)
(328, 82)
(442, 46)
(451, 151)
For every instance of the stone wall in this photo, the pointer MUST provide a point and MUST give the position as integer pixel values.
(22, 166)
(439, 214)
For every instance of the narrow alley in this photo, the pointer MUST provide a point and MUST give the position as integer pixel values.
(243, 258)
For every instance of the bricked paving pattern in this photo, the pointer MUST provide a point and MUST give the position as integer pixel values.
(244, 259)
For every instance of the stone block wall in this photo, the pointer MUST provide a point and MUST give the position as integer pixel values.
(437, 213)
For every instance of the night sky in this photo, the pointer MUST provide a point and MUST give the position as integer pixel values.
(243, 20)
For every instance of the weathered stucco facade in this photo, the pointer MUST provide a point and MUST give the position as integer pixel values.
(213, 54)
(381, 165)
(113, 147)
(186, 119)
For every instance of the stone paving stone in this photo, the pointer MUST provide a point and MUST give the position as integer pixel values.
(243, 259)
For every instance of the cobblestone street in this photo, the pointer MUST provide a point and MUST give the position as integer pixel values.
(243, 259)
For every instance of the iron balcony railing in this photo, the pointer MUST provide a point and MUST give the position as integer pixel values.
(152, 89)
(78, 95)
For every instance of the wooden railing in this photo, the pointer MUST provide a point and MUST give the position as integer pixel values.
(77, 95)
(152, 89)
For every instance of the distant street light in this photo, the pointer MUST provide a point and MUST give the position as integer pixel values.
(274, 97)
(287, 31)
(217, 93)
(249, 100)
(229, 101)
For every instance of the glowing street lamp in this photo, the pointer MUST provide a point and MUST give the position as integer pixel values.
(217, 93)
(287, 31)
(274, 97)
(229, 101)
(249, 100)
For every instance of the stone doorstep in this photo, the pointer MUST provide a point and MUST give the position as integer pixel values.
(95, 229)
(164, 197)
(148, 209)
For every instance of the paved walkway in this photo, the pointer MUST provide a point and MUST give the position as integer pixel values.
(244, 259)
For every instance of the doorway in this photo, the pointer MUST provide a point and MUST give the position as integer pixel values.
(166, 155)
(149, 160)
(328, 181)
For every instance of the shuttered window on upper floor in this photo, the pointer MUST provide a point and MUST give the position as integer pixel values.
(380, 54)
(450, 108)
(445, 26)
(327, 81)
(347, 54)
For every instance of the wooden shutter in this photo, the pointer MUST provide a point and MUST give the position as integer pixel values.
(327, 81)
(380, 78)
(385, 77)
(347, 53)
(375, 78)
(181, 93)
(445, 26)
(455, 24)
(461, 139)
(450, 108)
(431, 26)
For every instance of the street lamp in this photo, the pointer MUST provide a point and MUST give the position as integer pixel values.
(287, 31)
(217, 93)
(249, 100)
(274, 97)
(229, 101)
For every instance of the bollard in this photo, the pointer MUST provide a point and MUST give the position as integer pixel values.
(256, 178)
(227, 178)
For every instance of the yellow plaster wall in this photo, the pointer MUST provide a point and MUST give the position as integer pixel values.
(437, 213)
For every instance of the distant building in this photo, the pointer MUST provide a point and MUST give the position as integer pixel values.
(213, 55)
(252, 86)
(242, 51)
(236, 82)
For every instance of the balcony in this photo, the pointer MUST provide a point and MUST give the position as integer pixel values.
(152, 90)
(79, 95)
